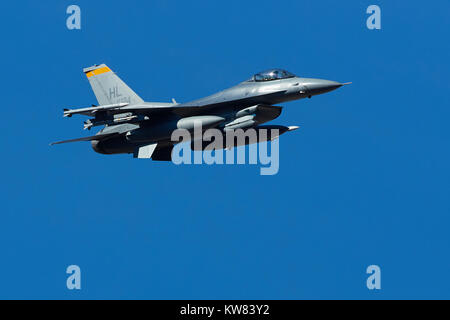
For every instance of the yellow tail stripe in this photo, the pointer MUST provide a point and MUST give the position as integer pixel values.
(97, 71)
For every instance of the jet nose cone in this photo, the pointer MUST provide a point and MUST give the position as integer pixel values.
(319, 86)
(330, 85)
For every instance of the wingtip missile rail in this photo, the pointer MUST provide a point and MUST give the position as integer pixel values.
(93, 110)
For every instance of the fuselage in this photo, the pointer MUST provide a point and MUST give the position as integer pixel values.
(251, 92)
(221, 109)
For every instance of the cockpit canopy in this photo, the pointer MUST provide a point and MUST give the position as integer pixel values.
(272, 74)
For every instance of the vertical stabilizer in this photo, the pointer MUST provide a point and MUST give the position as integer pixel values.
(108, 87)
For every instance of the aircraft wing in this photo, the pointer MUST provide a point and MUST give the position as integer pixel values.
(90, 138)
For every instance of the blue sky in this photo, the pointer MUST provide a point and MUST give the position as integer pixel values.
(364, 181)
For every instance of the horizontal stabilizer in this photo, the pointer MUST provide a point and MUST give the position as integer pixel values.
(90, 138)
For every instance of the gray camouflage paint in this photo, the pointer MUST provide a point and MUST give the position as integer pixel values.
(131, 123)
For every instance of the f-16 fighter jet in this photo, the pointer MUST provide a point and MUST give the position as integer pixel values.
(144, 129)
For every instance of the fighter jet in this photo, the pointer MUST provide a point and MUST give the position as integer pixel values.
(144, 129)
